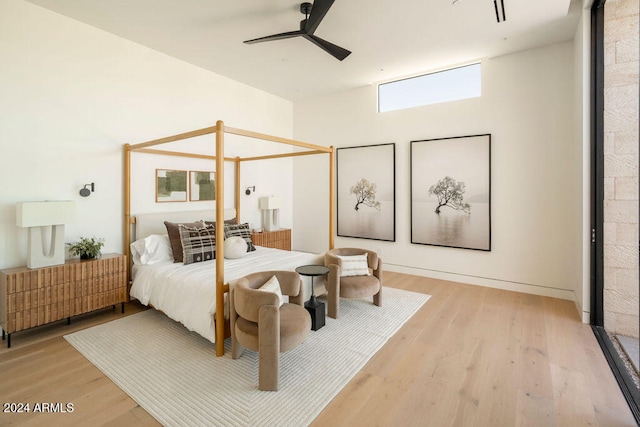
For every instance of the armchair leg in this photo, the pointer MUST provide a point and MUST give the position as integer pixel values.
(377, 298)
(236, 349)
(333, 291)
(268, 370)
(333, 305)
(269, 351)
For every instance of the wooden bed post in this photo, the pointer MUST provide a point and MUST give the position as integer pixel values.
(220, 287)
(332, 187)
(237, 163)
(127, 211)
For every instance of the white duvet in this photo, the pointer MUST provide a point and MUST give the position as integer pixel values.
(187, 293)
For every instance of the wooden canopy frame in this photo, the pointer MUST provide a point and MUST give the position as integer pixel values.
(220, 130)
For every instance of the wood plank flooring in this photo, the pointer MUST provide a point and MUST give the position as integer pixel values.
(471, 356)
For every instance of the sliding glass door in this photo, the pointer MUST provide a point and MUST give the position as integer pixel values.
(615, 207)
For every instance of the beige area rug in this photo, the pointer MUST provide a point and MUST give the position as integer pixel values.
(175, 376)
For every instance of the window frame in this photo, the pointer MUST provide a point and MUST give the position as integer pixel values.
(477, 64)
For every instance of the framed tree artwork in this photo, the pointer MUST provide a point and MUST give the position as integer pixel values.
(202, 186)
(451, 192)
(171, 185)
(366, 203)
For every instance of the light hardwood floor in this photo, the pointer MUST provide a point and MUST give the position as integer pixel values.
(471, 356)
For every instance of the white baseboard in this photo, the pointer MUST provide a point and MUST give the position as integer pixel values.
(490, 283)
(586, 317)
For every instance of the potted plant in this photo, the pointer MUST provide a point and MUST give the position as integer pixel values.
(87, 248)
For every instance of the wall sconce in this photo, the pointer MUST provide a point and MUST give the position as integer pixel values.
(85, 192)
(39, 216)
(270, 212)
(249, 190)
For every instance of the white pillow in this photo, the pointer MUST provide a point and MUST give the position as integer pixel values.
(272, 285)
(151, 250)
(234, 247)
(354, 265)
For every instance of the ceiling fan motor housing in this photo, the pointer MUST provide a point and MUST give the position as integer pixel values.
(305, 8)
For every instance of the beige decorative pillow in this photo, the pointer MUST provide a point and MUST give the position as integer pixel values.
(235, 247)
(241, 230)
(272, 285)
(354, 265)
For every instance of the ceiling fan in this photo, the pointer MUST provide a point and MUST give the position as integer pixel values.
(313, 16)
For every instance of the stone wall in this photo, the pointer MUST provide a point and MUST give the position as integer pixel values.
(621, 208)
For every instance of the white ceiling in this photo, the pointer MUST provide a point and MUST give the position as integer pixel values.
(389, 38)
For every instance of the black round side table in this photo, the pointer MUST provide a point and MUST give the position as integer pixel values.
(313, 306)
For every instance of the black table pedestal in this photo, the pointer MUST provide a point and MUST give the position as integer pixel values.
(313, 306)
(316, 310)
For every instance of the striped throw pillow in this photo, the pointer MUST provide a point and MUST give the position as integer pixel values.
(354, 265)
(198, 244)
(241, 230)
(173, 231)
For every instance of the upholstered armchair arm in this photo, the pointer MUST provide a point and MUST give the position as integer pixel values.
(335, 270)
(299, 297)
(269, 341)
(378, 270)
(333, 278)
(236, 349)
(331, 259)
(269, 325)
(373, 260)
(333, 289)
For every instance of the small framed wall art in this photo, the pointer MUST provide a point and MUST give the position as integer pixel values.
(171, 185)
(202, 186)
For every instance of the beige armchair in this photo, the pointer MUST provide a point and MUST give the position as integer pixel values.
(352, 287)
(260, 324)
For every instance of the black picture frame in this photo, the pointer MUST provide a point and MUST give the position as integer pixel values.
(451, 192)
(366, 195)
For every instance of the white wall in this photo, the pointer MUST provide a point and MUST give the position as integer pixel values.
(528, 107)
(72, 95)
(582, 111)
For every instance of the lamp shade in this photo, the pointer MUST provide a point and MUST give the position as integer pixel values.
(39, 214)
(270, 202)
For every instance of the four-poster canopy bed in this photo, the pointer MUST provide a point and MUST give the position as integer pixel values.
(220, 130)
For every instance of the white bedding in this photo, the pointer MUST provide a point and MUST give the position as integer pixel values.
(187, 293)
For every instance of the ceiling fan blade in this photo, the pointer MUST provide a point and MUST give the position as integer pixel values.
(318, 11)
(338, 52)
(280, 36)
